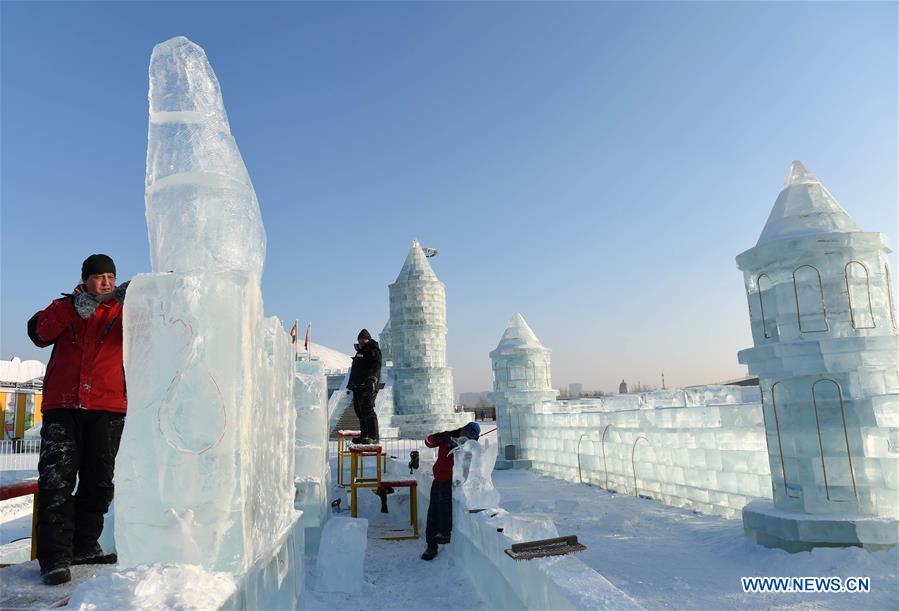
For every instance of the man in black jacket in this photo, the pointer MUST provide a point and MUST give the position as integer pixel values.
(365, 376)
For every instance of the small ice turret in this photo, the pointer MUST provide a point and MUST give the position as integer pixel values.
(825, 350)
(422, 383)
(522, 380)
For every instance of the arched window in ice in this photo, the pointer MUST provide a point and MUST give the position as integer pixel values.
(858, 289)
(811, 313)
(833, 441)
(767, 305)
(789, 490)
(886, 272)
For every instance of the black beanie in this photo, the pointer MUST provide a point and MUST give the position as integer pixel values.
(97, 264)
(364, 334)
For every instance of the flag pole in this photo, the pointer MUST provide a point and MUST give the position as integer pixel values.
(309, 342)
(296, 353)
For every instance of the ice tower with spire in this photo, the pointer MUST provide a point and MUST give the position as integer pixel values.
(416, 333)
(825, 351)
(522, 380)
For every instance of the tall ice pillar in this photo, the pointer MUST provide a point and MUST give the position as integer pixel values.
(422, 383)
(825, 350)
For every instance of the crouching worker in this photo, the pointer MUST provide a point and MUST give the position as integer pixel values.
(440, 511)
(83, 415)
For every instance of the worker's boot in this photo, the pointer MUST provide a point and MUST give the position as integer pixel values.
(430, 553)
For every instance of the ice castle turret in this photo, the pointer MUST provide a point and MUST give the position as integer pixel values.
(825, 351)
(416, 331)
(522, 380)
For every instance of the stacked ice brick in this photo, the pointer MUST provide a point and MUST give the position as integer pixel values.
(205, 474)
(701, 447)
(311, 447)
(522, 379)
(708, 454)
(825, 350)
(422, 383)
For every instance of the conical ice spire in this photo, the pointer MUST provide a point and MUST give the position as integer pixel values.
(804, 207)
(416, 266)
(518, 335)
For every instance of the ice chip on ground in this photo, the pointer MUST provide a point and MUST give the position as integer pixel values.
(341, 555)
(473, 466)
(202, 211)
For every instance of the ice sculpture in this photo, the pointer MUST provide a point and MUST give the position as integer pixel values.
(473, 466)
(416, 333)
(522, 377)
(205, 474)
(824, 328)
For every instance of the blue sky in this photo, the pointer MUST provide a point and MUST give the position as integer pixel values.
(595, 166)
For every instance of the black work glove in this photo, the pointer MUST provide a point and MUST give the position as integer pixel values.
(119, 292)
(85, 304)
(371, 385)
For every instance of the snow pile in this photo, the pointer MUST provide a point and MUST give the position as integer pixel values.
(155, 586)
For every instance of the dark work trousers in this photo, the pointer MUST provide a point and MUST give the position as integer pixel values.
(364, 406)
(440, 512)
(83, 443)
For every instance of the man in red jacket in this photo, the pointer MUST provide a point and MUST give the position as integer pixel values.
(440, 510)
(83, 415)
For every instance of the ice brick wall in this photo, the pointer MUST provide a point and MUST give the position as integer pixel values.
(709, 455)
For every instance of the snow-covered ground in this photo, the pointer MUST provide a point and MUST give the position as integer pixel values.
(395, 577)
(669, 558)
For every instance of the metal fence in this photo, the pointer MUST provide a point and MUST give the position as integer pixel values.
(19, 454)
(400, 448)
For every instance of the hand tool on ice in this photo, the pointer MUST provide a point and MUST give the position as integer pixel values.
(558, 546)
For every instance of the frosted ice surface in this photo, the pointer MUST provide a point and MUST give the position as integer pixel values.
(477, 490)
(341, 556)
(804, 207)
(521, 527)
(202, 211)
(518, 335)
(416, 266)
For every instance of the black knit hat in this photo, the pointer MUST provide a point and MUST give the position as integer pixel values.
(97, 264)
(364, 334)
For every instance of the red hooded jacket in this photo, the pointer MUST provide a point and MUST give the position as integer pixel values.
(85, 369)
(443, 466)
